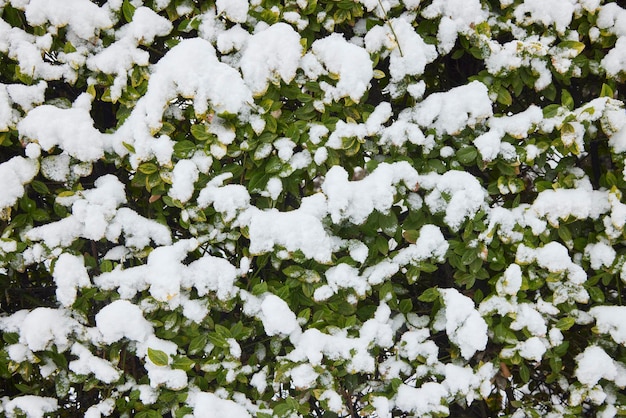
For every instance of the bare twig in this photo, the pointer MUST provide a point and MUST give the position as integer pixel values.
(393, 32)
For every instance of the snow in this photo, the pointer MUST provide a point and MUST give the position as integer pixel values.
(430, 244)
(274, 188)
(461, 11)
(226, 199)
(24, 96)
(69, 274)
(138, 231)
(15, 173)
(609, 319)
(594, 364)
(615, 60)
(204, 80)
(517, 126)
(558, 13)
(82, 17)
(259, 380)
(72, 130)
(463, 324)
(55, 167)
(532, 349)
(184, 175)
(300, 229)
(426, 399)
(409, 53)
(511, 281)
(415, 344)
(87, 363)
(218, 80)
(317, 132)
(44, 327)
(351, 63)
(374, 125)
(105, 408)
(356, 200)
(95, 216)
(234, 10)
(452, 111)
(270, 56)
(526, 316)
(210, 273)
(612, 17)
(457, 193)
(600, 254)
(208, 405)
(122, 319)
(313, 345)
(553, 257)
(30, 405)
(276, 316)
(461, 380)
(119, 57)
(175, 379)
(303, 376)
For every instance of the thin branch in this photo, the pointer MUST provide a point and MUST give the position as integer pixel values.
(393, 32)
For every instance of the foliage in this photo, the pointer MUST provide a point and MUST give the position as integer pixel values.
(312, 208)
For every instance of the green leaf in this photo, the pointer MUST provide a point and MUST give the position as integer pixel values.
(197, 344)
(564, 233)
(294, 271)
(271, 124)
(62, 384)
(282, 409)
(467, 155)
(565, 323)
(567, 100)
(158, 357)
(184, 149)
(40, 215)
(524, 373)
(128, 10)
(11, 337)
(200, 132)
(405, 306)
(129, 147)
(167, 129)
(223, 331)
(40, 187)
(259, 288)
(551, 111)
(388, 223)
(606, 91)
(504, 97)
(429, 295)
(183, 363)
(550, 92)
(597, 295)
(218, 340)
(148, 414)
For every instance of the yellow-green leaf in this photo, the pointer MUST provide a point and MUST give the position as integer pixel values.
(148, 168)
(575, 45)
(158, 357)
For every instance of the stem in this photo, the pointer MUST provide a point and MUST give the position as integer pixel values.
(348, 400)
(393, 32)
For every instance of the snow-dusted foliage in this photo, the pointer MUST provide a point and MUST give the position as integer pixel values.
(326, 208)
